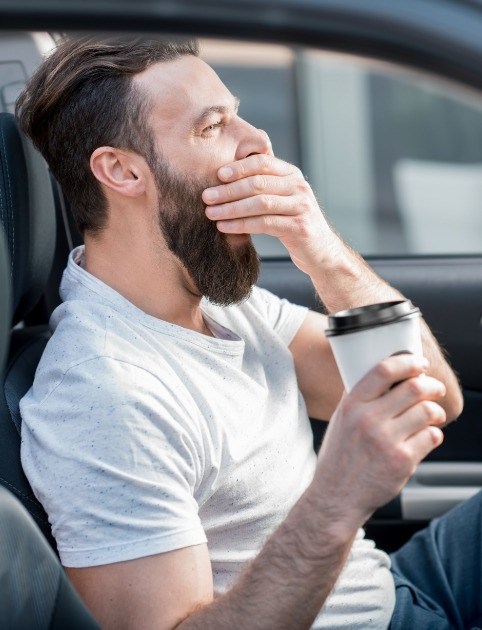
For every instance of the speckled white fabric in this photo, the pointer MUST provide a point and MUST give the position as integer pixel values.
(141, 437)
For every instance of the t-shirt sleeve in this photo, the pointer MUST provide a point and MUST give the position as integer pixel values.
(284, 317)
(114, 456)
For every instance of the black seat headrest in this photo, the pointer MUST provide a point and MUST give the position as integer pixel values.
(5, 300)
(27, 212)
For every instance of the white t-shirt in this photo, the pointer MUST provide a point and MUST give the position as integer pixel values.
(141, 437)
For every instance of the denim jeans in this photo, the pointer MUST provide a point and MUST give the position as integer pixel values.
(438, 573)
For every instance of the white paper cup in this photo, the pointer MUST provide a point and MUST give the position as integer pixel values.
(362, 337)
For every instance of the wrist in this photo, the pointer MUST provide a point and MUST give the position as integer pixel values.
(331, 524)
(344, 280)
(339, 276)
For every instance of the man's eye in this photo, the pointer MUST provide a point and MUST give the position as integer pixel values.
(212, 127)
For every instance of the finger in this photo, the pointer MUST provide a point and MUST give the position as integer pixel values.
(233, 216)
(409, 392)
(387, 373)
(249, 187)
(271, 225)
(424, 442)
(419, 416)
(256, 164)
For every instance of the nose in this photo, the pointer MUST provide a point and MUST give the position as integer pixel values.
(253, 141)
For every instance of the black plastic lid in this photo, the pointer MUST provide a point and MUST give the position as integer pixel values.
(369, 316)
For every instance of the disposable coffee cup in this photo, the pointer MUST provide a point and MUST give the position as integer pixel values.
(362, 337)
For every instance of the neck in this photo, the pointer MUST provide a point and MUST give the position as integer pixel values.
(148, 275)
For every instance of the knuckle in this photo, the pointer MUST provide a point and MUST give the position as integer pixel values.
(348, 405)
(442, 415)
(264, 163)
(429, 410)
(305, 210)
(433, 412)
(239, 171)
(384, 371)
(302, 226)
(302, 185)
(403, 461)
(230, 190)
(365, 421)
(415, 387)
(266, 202)
(259, 183)
(380, 439)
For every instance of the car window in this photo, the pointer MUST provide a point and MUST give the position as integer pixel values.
(395, 157)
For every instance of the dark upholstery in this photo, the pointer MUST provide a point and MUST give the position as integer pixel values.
(27, 347)
(27, 213)
(5, 300)
(35, 593)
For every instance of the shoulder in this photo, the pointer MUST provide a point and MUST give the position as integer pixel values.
(95, 355)
(77, 341)
(106, 386)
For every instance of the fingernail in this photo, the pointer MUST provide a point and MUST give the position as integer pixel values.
(226, 172)
(211, 194)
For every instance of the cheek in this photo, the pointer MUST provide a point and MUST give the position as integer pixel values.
(222, 148)
(210, 162)
(201, 160)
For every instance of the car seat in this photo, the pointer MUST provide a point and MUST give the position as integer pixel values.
(5, 300)
(27, 213)
(35, 592)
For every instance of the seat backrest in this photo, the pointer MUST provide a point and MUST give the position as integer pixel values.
(35, 590)
(28, 215)
(27, 212)
(5, 300)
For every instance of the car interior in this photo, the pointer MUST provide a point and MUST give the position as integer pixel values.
(35, 590)
(441, 275)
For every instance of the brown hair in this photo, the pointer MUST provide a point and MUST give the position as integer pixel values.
(83, 97)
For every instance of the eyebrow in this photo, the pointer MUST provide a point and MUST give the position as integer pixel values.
(215, 109)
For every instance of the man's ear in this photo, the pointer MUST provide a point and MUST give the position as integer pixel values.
(119, 170)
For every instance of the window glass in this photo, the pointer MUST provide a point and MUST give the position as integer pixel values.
(394, 157)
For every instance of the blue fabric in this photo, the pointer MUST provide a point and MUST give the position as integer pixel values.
(438, 573)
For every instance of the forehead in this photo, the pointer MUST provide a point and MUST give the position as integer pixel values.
(180, 89)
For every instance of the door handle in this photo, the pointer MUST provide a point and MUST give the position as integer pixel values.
(436, 487)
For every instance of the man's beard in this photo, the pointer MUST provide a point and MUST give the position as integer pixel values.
(222, 273)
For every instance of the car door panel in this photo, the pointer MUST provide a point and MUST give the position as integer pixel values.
(449, 294)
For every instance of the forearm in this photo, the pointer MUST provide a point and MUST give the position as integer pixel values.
(287, 583)
(347, 281)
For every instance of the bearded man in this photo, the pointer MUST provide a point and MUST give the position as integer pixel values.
(167, 431)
